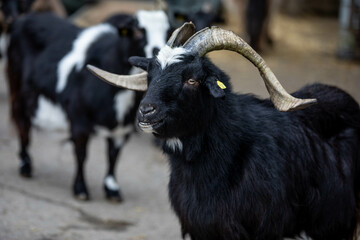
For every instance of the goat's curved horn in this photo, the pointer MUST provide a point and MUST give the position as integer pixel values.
(136, 82)
(181, 35)
(214, 38)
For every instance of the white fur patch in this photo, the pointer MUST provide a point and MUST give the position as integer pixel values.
(49, 116)
(174, 144)
(118, 142)
(76, 57)
(168, 56)
(156, 25)
(111, 183)
(146, 128)
(124, 100)
(302, 236)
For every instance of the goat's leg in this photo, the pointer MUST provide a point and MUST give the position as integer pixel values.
(79, 187)
(18, 112)
(111, 188)
(23, 127)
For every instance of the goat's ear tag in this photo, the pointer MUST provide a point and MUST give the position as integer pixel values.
(220, 84)
(215, 87)
(124, 32)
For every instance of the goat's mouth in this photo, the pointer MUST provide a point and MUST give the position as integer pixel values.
(151, 126)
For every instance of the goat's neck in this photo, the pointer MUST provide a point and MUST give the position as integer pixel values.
(218, 140)
(208, 156)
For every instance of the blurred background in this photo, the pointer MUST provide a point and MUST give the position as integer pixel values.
(303, 41)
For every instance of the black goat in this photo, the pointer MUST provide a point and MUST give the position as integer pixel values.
(240, 169)
(50, 87)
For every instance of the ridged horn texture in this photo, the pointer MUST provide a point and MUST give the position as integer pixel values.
(136, 82)
(181, 35)
(214, 38)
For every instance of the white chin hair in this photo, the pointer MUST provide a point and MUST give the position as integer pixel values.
(148, 129)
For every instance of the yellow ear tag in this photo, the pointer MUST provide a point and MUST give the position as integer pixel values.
(220, 84)
(124, 31)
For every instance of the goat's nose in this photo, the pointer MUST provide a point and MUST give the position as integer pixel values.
(146, 109)
(155, 51)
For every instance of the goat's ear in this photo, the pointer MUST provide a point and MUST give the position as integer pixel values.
(216, 87)
(140, 62)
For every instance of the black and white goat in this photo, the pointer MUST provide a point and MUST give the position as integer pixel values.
(240, 169)
(50, 87)
(157, 27)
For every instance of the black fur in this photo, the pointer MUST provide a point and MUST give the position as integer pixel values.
(38, 42)
(246, 170)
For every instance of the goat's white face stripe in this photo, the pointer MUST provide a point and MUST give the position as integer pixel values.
(174, 144)
(156, 25)
(77, 55)
(168, 56)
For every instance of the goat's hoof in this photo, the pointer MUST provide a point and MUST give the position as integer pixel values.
(80, 191)
(25, 170)
(113, 195)
(82, 196)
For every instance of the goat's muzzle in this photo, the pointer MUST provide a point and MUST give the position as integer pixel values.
(149, 118)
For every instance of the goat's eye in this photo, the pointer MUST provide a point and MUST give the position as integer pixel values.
(191, 81)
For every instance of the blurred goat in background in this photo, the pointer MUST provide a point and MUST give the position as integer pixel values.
(256, 17)
(50, 88)
(202, 13)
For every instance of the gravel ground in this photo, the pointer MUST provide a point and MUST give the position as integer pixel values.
(42, 208)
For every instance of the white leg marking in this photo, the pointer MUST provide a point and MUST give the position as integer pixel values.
(174, 144)
(156, 25)
(49, 116)
(77, 55)
(111, 183)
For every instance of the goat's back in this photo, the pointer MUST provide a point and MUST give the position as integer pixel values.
(336, 119)
(40, 29)
(334, 112)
